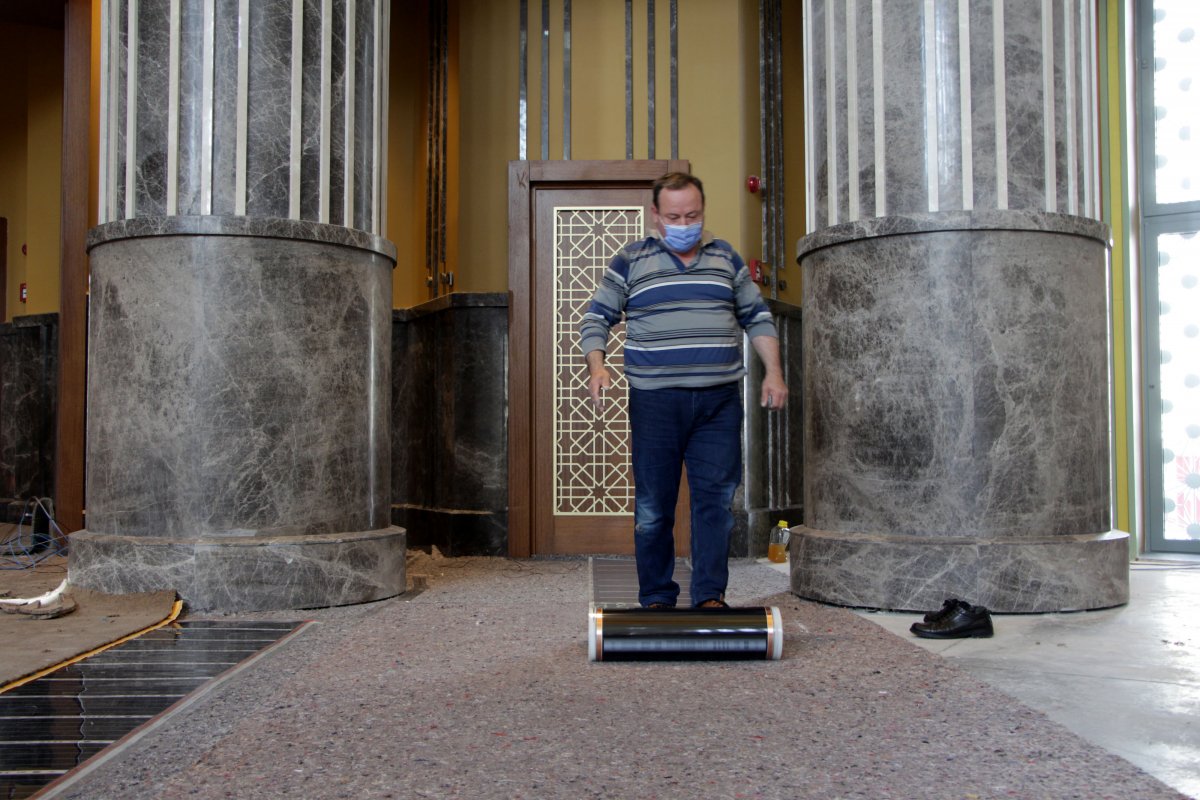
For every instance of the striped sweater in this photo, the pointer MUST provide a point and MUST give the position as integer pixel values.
(683, 325)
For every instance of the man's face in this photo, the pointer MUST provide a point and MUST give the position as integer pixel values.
(678, 207)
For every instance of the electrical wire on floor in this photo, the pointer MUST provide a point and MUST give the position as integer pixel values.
(27, 547)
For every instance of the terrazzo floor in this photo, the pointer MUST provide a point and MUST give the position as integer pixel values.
(478, 685)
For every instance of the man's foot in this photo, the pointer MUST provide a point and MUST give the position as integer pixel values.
(659, 606)
(714, 603)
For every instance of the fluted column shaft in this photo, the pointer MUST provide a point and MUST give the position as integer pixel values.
(949, 105)
(955, 300)
(239, 445)
(270, 108)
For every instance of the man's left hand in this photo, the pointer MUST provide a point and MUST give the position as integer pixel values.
(774, 392)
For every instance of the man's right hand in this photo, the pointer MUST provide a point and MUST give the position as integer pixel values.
(598, 378)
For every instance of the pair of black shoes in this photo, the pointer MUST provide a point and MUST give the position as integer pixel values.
(957, 619)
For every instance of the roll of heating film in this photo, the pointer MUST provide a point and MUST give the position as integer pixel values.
(639, 634)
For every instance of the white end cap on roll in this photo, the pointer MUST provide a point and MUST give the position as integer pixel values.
(777, 626)
(592, 633)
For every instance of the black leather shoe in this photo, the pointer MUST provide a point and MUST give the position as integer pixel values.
(966, 621)
(948, 608)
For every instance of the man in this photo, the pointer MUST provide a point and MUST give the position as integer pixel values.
(686, 297)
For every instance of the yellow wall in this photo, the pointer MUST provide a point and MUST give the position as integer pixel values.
(406, 157)
(488, 87)
(718, 110)
(718, 128)
(31, 164)
(43, 190)
(795, 193)
(12, 159)
(598, 81)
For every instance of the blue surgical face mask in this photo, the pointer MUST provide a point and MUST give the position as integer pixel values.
(682, 238)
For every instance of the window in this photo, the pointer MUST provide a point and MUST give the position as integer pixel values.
(1169, 116)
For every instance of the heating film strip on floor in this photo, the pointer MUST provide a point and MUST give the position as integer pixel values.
(615, 582)
(53, 724)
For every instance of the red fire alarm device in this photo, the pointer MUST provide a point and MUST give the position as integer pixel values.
(758, 271)
(24, 295)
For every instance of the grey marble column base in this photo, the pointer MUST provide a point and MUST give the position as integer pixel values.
(245, 573)
(917, 573)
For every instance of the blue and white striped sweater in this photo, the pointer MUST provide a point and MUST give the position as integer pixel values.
(683, 325)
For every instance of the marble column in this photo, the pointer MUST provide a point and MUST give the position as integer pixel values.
(956, 374)
(239, 329)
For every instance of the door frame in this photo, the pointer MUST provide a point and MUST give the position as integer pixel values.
(524, 178)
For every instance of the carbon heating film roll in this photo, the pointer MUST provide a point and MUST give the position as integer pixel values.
(638, 634)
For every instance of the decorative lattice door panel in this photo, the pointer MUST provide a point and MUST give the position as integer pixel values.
(592, 474)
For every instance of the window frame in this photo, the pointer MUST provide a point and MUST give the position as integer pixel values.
(1157, 219)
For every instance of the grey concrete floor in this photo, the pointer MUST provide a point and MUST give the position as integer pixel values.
(1126, 679)
(478, 686)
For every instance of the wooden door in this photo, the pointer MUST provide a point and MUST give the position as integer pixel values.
(570, 481)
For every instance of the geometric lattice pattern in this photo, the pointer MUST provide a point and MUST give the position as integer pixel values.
(591, 448)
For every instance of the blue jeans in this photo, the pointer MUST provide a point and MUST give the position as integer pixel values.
(701, 428)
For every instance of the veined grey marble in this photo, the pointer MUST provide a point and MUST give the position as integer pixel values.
(905, 108)
(261, 227)
(450, 423)
(955, 300)
(221, 114)
(983, 220)
(238, 388)
(240, 346)
(28, 409)
(956, 387)
(906, 573)
(245, 573)
(237, 385)
(956, 383)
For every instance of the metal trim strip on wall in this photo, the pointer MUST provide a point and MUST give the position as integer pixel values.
(964, 105)
(349, 102)
(810, 177)
(326, 109)
(931, 140)
(523, 82)
(172, 206)
(208, 57)
(628, 79)
(297, 106)
(566, 119)
(879, 117)
(1049, 173)
(131, 86)
(852, 199)
(1069, 109)
(650, 80)
(243, 101)
(831, 115)
(545, 127)
(1001, 94)
(104, 200)
(373, 221)
(674, 79)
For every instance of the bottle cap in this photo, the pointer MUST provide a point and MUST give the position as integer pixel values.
(783, 523)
